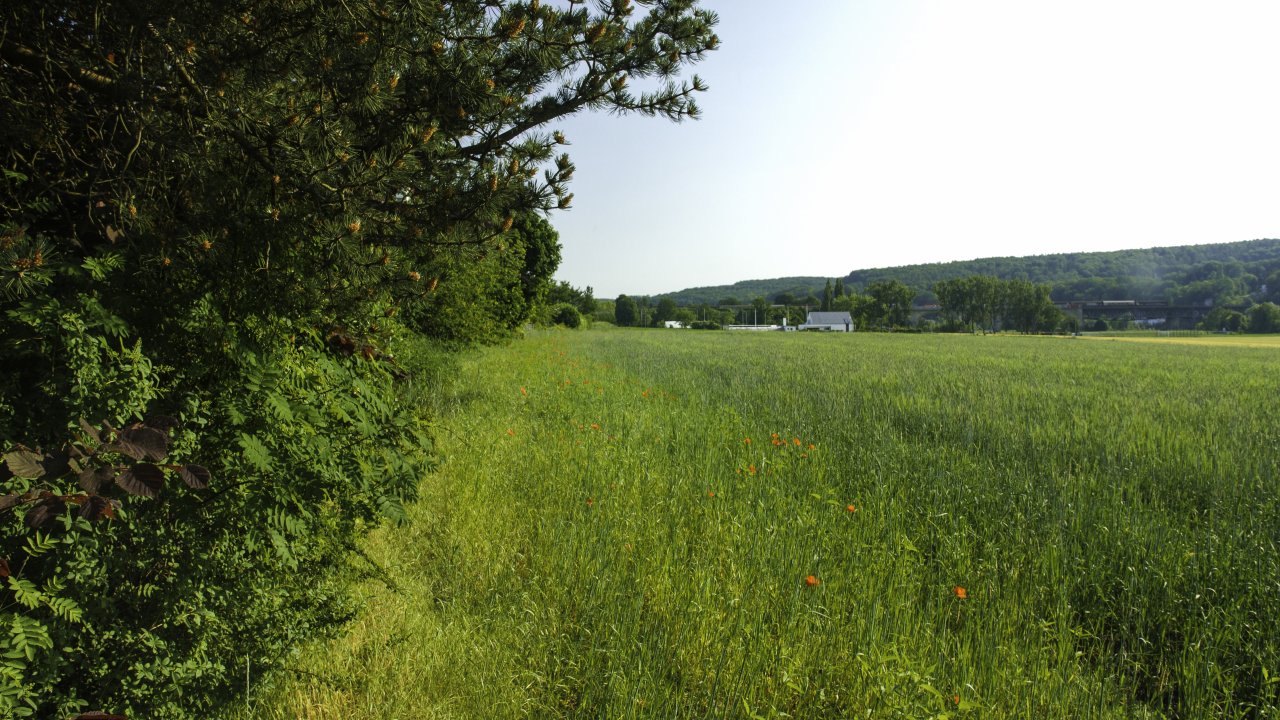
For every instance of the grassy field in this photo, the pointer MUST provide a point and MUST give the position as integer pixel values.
(676, 524)
(1224, 340)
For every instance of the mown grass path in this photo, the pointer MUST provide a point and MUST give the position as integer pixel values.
(680, 524)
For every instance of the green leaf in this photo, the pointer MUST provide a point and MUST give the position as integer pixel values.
(256, 453)
(64, 608)
(40, 543)
(25, 591)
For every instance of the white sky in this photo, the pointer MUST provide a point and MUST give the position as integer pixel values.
(847, 134)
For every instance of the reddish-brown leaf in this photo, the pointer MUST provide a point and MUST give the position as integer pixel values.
(25, 463)
(163, 423)
(97, 507)
(43, 512)
(142, 479)
(56, 463)
(94, 480)
(91, 431)
(195, 476)
(12, 500)
(144, 443)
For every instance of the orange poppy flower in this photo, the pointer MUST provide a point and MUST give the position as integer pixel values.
(851, 508)
(960, 592)
(511, 432)
(812, 446)
(523, 391)
(796, 441)
(595, 426)
(591, 502)
(746, 441)
(711, 493)
(811, 581)
(751, 469)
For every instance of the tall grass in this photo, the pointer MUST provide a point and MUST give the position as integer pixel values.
(720, 525)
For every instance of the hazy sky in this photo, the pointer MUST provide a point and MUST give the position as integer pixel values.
(848, 134)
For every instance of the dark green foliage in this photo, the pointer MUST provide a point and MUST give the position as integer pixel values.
(991, 304)
(1264, 318)
(1188, 274)
(890, 303)
(798, 287)
(665, 311)
(1221, 319)
(265, 222)
(624, 311)
(562, 292)
(566, 315)
(1151, 274)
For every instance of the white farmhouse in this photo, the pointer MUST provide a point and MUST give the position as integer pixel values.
(832, 321)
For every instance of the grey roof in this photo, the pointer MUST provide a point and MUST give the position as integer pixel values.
(829, 318)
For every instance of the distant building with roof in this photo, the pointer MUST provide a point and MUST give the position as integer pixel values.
(829, 321)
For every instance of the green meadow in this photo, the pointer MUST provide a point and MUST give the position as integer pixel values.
(680, 524)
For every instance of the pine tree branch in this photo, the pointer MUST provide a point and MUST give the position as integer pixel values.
(22, 56)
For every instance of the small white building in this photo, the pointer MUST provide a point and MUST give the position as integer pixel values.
(672, 324)
(829, 321)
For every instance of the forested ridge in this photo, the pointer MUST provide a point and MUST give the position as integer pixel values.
(240, 243)
(1224, 272)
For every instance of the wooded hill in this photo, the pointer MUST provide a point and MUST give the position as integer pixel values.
(1223, 272)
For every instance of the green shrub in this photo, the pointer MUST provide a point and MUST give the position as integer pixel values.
(566, 315)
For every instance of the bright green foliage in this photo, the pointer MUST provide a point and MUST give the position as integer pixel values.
(992, 303)
(890, 304)
(263, 220)
(566, 315)
(1035, 527)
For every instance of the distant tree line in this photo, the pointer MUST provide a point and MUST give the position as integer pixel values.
(1221, 274)
(1260, 318)
(885, 305)
(990, 303)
